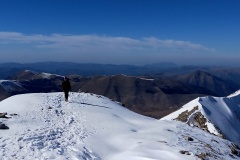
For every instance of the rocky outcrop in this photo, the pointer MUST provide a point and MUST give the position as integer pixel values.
(184, 116)
(3, 115)
(3, 126)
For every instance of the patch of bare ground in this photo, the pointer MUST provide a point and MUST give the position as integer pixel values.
(3, 115)
(210, 152)
(199, 119)
(183, 117)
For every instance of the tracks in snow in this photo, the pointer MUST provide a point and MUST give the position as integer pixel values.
(57, 131)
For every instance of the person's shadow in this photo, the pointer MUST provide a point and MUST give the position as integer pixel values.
(90, 104)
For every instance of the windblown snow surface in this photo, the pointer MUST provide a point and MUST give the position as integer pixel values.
(92, 127)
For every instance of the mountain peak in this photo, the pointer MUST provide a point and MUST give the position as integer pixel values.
(217, 86)
(221, 114)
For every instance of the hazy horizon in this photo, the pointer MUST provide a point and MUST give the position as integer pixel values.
(139, 65)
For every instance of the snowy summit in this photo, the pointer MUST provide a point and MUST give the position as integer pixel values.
(219, 115)
(91, 127)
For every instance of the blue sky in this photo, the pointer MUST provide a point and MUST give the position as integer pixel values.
(121, 31)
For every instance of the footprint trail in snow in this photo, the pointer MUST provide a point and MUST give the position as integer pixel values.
(91, 127)
(55, 130)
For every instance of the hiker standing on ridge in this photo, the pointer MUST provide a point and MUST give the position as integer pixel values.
(66, 86)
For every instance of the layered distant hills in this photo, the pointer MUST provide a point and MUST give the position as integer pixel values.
(154, 96)
(218, 86)
(88, 69)
(232, 75)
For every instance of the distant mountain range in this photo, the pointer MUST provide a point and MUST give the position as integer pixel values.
(152, 96)
(84, 69)
(88, 69)
(218, 86)
(29, 82)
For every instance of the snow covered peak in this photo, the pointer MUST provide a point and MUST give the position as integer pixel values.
(234, 94)
(30, 71)
(28, 75)
(218, 115)
(48, 75)
(43, 126)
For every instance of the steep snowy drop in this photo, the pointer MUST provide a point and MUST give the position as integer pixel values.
(91, 127)
(222, 115)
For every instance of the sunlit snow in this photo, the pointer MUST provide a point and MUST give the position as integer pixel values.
(44, 126)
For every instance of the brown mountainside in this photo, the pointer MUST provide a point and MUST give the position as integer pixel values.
(152, 97)
(155, 98)
(203, 79)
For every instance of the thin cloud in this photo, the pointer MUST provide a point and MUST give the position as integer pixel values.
(158, 43)
(94, 41)
(85, 48)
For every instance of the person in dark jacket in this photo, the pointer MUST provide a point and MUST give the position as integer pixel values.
(66, 86)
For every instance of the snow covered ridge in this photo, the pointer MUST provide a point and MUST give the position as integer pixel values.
(234, 94)
(28, 74)
(43, 126)
(48, 75)
(218, 115)
(10, 85)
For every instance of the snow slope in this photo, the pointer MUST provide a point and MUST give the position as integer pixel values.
(92, 127)
(222, 114)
